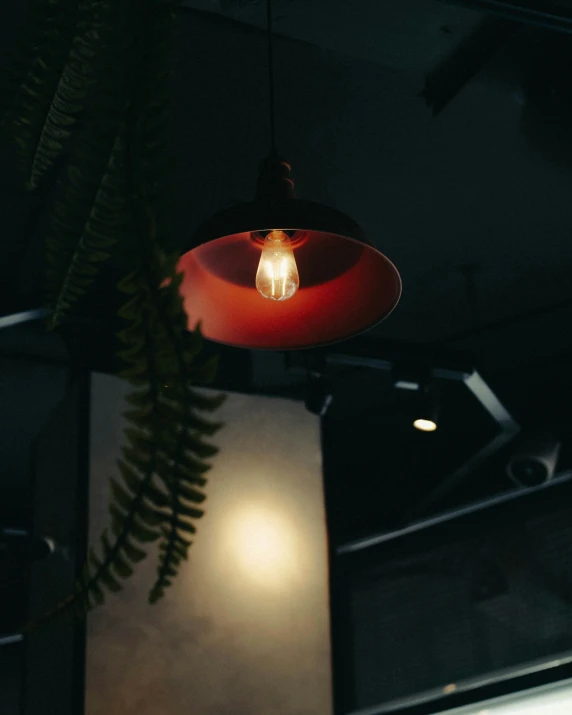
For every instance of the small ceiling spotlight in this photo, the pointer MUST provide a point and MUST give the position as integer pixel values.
(426, 410)
(424, 425)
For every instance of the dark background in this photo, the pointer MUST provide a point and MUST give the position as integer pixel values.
(473, 206)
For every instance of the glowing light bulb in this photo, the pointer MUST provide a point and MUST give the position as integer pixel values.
(277, 275)
(425, 425)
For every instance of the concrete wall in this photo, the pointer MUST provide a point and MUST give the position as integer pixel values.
(245, 627)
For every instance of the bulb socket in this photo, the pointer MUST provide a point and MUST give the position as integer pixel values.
(297, 238)
(275, 181)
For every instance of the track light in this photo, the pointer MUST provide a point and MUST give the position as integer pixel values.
(426, 410)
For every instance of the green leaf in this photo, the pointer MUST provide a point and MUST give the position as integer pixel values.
(190, 494)
(131, 283)
(155, 495)
(178, 413)
(169, 443)
(168, 533)
(134, 554)
(132, 308)
(182, 525)
(198, 447)
(137, 458)
(123, 499)
(106, 544)
(185, 471)
(117, 519)
(149, 515)
(189, 511)
(97, 593)
(130, 476)
(143, 533)
(184, 541)
(156, 595)
(109, 581)
(94, 559)
(121, 567)
(181, 550)
(138, 438)
(205, 373)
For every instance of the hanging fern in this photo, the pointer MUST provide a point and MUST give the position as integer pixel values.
(100, 123)
(163, 454)
(179, 476)
(97, 56)
(79, 67)
(87, 220)
(168, 431)
(35, 71)
(79, 74)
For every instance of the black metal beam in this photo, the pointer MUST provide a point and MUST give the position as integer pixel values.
(437, 364)
(530, 12)
(444, 82)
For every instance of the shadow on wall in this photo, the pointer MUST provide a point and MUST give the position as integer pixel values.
(245, 628)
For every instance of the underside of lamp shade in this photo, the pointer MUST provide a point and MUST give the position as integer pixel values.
(346, 285)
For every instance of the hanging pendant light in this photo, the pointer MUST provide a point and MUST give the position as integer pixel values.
(282, 273)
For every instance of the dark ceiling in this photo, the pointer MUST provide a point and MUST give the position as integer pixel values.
(471, 204)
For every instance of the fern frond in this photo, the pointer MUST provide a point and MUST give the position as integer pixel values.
(161, 477)
(182, 450)
(35, 72)
(98, 56)
(83, 230)
(113, 190)
(171, 549)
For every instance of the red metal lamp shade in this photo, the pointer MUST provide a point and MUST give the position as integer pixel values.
(346, 285)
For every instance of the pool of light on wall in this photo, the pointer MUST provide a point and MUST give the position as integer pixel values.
(264, 544)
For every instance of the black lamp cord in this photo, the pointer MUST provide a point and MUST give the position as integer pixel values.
(269, 36)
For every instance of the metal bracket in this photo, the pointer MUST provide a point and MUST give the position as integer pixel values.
(455, 368)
